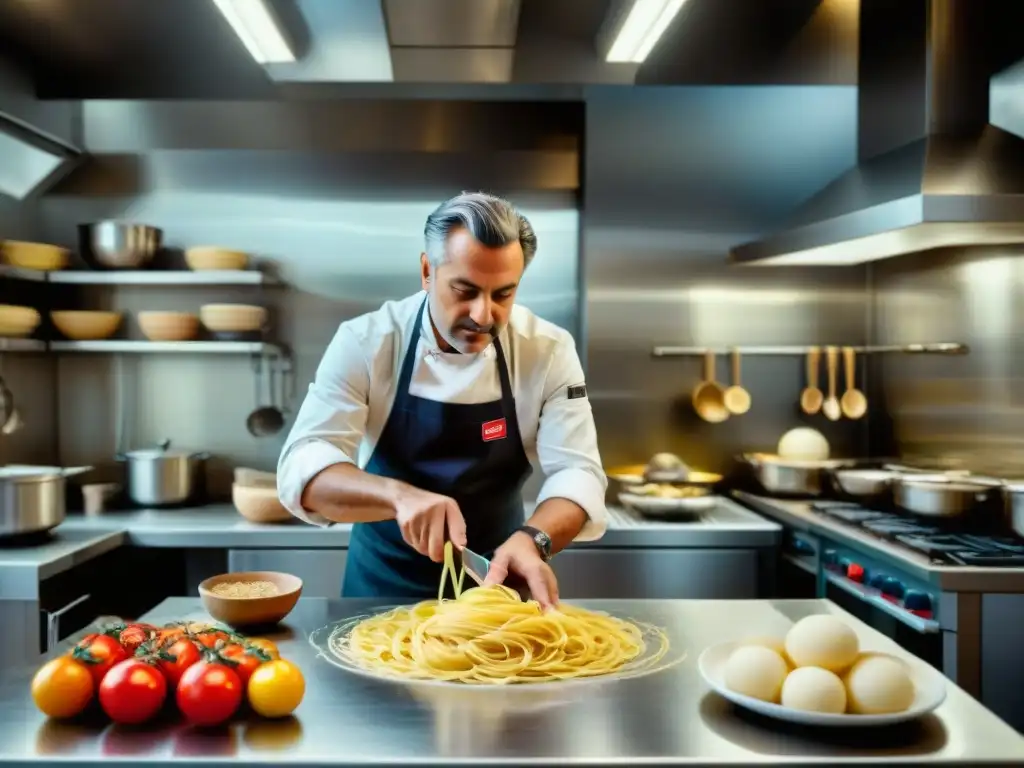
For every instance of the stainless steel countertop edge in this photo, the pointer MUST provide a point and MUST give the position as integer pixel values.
(219, 526)
(949, 579)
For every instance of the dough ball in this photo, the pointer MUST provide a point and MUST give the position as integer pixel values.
(813, 689)
(879, 685)
(666, 461)
(803, 444)
(756, 671)
(822, 641)
(777, 644)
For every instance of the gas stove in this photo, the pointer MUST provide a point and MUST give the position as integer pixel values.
(951, 543)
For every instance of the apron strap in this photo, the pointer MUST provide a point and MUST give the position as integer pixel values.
(409, 361)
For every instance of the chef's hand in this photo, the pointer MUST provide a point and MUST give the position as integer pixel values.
(518, 560)
(424, 518)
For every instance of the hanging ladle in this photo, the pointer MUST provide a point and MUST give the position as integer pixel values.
(266, 420)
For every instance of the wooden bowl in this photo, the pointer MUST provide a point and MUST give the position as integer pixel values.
(249, 611)
(35, 256)
(18, 322)
(86, 325)
(233, 318)
(168, 326)
(206, 257)
(259, 504)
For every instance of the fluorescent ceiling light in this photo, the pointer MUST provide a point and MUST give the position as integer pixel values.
(254, 23)
(644, 25)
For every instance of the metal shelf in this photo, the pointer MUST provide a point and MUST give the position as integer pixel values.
(165, 277)
(16, 273)
(22, 345)
(939, 348)
(117, 346)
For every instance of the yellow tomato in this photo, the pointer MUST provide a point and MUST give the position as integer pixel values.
(276, 688)
(62, 687)
(264, 645)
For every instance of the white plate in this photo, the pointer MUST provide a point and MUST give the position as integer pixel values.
(656, 505)
(930, 689)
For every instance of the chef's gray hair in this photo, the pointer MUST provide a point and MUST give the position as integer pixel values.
(490, 219)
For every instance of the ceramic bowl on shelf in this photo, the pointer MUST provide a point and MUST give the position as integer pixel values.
(232, 318)
(168, 326)
(18, 322)
(37, 256)
(86, 325)
(211, 257)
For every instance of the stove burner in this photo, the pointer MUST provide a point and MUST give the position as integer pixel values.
(943, 545)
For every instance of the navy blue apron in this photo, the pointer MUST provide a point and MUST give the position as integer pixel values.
(471, 453)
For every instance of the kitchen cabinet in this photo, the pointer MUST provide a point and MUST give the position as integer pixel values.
(646, 574)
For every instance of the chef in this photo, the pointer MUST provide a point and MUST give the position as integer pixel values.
(425, 416)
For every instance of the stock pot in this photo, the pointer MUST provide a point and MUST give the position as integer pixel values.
(33, 499)
(158, 476)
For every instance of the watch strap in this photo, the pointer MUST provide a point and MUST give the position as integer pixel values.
(540, 540)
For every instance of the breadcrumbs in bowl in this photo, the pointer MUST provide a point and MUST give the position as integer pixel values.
(249, 598)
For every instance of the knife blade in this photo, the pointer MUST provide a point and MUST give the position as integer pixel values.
(476, 565)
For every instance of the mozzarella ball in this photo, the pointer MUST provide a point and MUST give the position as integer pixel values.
(803, 444)
(777, 644)
(756, 671)
(822, 641)
(879, 685)
(813, 689)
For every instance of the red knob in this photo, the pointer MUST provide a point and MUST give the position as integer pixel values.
(855, 573)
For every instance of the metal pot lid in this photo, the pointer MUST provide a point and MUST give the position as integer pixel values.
(159, 453)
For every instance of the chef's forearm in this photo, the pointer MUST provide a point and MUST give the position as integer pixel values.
(343, 493)
(560, 519)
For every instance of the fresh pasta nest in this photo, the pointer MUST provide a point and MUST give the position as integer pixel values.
(489, 635)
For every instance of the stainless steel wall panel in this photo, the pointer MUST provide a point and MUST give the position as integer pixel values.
(967, 410)
(672, 178)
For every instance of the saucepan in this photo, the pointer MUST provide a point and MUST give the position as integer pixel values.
(792, 477)
(864, 485)
(32, 499)
(943, 496)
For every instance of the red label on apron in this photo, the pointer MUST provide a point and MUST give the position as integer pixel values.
(494, 430)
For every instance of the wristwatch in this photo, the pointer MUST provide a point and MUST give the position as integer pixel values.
(540, 540)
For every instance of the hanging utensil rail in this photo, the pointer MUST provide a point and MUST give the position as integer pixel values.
(941, 348)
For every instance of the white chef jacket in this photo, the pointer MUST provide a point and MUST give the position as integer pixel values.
(348, 403)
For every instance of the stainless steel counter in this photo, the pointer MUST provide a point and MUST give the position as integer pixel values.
(947, 578)
(23, 568)
(667, 718)
(219, 526)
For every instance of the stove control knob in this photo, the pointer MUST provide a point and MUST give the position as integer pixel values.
(829, 559)
(877, 581)
(844, 564)
(918, 603)
(893, 589)
(855, 572)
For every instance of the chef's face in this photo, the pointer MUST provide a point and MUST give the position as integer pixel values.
(472, 291)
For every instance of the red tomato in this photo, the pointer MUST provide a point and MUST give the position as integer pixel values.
(244, 660)
(176, 658)
(132, 692)
(131, 636)
(209, 693)
(99, 653)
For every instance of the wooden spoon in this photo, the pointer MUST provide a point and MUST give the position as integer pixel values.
(736, 398)
(708, 397)
(811, 398)
(831, 407)
(854, 403)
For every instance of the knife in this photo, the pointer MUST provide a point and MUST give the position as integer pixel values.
(476, 565)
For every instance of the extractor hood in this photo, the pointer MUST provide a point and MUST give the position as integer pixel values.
(31, 163)
(932, 171)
